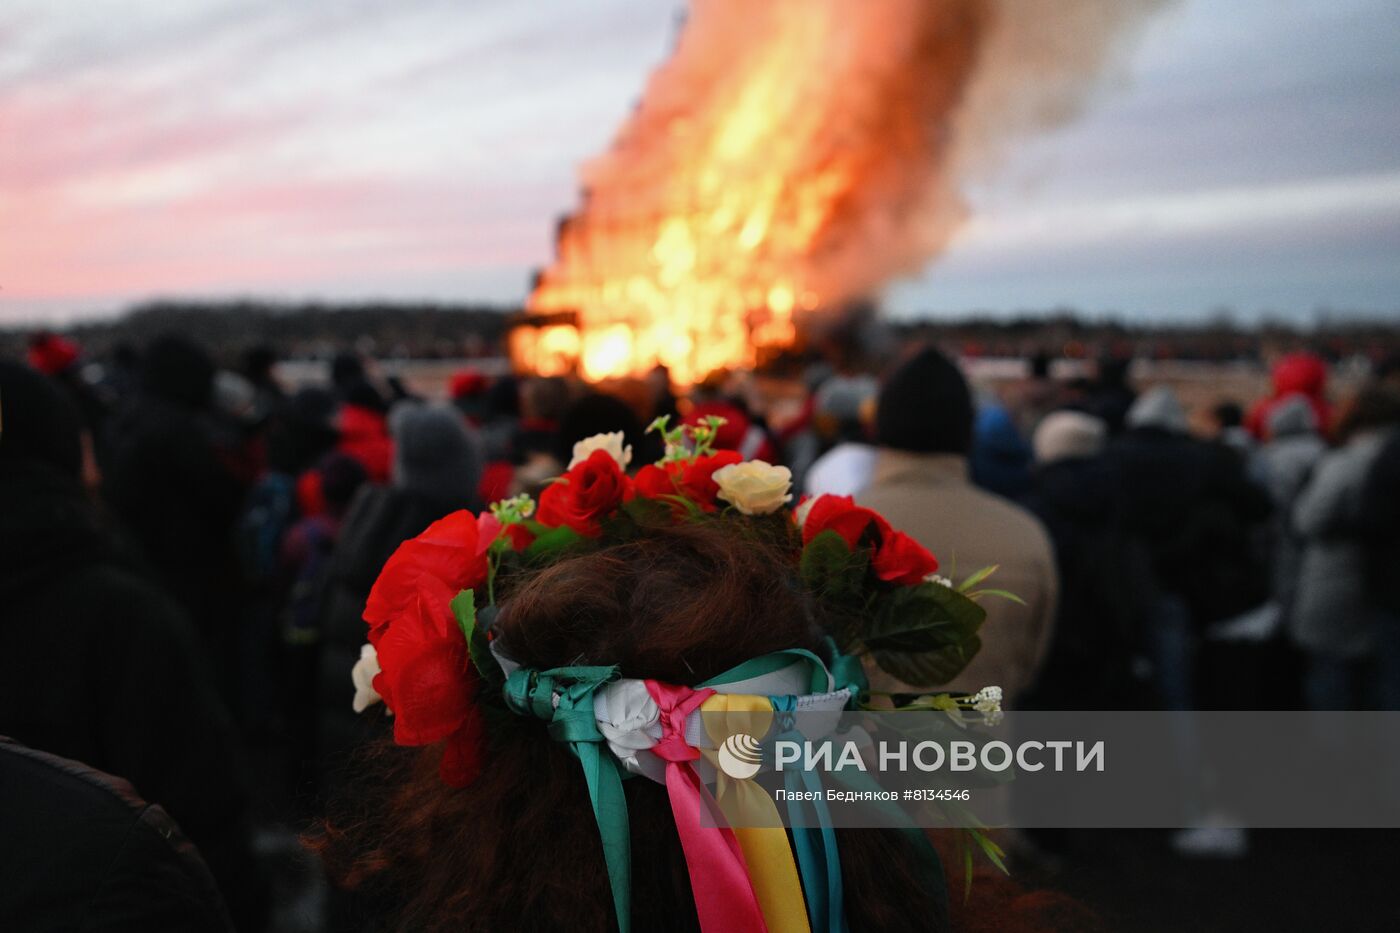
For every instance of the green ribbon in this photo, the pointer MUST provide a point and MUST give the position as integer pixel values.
(532, 693)
(847, 672)
(818, 859)
(770, 663)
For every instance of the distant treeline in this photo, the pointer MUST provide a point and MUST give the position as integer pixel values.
(445, 331)
(297, 330)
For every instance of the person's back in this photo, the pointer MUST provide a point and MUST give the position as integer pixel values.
(177, 498)
(1333, 618)
(83, 852)
(1283, 464)
(1193, 504)
(105, 668)
(924, 427)
(1106, 583)
(1380, 507)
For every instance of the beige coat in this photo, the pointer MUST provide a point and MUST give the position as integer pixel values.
(930, 497)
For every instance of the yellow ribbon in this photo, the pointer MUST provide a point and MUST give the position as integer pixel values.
(761, 836)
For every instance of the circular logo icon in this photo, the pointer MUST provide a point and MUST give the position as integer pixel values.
(740, 756)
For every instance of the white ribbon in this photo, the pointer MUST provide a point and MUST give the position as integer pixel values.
(630, 720)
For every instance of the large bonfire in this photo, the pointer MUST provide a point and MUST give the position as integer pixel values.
(791, 156)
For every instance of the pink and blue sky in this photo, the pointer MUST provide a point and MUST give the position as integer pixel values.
(1249, 156)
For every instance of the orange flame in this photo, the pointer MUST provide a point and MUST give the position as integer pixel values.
(791, 155)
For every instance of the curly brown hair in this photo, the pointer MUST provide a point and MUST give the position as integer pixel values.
(519, 849)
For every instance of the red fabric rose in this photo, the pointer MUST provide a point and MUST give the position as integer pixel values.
(841, 515)
(426, 674)
(425, 671)
(897, 558)
(427, 678)
(447, 551)
(693, 479)
(585, 495)
(902, 560)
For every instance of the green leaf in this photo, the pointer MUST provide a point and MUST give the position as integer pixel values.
(832, 571)
(967, 868)
(648, 512)
(464, 608)
(1004, 594)
(550, 541)
(938, 701)
(924, 635)
(995, 854)
(977, 577)
(929, 668)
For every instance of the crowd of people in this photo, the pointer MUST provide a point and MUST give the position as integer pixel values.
(186, 550)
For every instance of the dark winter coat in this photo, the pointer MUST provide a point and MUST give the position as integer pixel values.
(1199, 514)
(1106, 589)
(104, 668)
(180, 502)
(1381, 516)
(83, 852)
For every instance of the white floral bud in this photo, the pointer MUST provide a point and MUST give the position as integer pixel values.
(362, 674)
(611, 442)
(941, 581)
(754, 487)
(988, 701)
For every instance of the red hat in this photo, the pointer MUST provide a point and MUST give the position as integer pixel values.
(51, 354)
(466, 383)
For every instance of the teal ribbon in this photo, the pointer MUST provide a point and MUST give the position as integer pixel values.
(532, 693)
(770, 663)
(818, 859)
(847, 672)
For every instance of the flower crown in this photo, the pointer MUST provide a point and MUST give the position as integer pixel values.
(433, 661)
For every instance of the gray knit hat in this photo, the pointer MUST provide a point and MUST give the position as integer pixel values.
(435, 452)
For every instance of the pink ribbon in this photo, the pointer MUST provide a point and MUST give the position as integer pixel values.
(724, 896)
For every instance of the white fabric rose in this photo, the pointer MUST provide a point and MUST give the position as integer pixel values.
(362, 674)
(612, 443)
(630, 721)
(754, 487)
